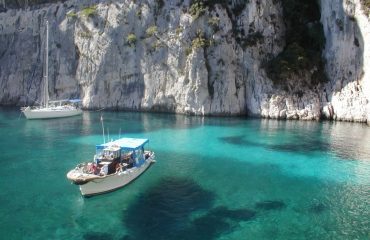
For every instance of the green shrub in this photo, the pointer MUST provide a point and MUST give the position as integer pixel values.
(157, 45)
(89, 11)
(366, 6)
(305, 41)
(199, 41)
(197, 9)
(212, 3)
(131, 39)
(152, 30)
(139, 13)
(71, 14)
(86, 34)
(188, 51)
(366, 3)
(179, 30)
(290, 61)
(214, 23)
(352, 18)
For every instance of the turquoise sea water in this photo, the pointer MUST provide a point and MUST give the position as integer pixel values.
(215, 178)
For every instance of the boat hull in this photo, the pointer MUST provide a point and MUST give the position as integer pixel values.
(114, 181)
(44, 113)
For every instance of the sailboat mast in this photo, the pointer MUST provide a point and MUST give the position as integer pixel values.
(46, 83)
(102, 126)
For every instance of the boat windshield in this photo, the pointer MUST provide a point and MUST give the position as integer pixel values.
(109, 153)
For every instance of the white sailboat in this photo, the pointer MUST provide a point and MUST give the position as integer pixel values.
(51, 109)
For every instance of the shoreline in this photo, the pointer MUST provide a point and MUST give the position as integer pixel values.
(241, 115)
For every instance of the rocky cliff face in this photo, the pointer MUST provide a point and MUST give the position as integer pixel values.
(177, 57)
(347, 32)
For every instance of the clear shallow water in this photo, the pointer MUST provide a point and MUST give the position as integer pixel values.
(215, 178)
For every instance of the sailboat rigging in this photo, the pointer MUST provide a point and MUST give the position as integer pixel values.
(51, 109)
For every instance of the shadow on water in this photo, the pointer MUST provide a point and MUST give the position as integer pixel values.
(217, 221)
(317, 208)
(167, 205)
(174, 207)
(97, 236)
(304, 145)
(165, 212)
(136, 122)
(270, 205)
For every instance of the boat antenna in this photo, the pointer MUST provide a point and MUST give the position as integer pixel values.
(102, 126)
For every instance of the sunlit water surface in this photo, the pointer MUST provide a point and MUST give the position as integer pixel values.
(215, 178)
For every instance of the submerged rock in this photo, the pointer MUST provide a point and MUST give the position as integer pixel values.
(234, 214)
(165, 208)
(97, 236)
(317, 208)
(178, 208)
(270, 205)
(235, 140)
(219, 220)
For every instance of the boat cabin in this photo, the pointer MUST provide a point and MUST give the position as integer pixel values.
(120, 154)
(65, 102)
(109, 153)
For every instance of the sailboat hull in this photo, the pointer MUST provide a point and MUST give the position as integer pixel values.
(50, 113)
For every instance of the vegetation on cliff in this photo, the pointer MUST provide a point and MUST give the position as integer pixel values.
(366, 6)
(305, 41)
(304, 34)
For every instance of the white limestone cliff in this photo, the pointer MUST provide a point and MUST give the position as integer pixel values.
(189, 65)
(347, 53)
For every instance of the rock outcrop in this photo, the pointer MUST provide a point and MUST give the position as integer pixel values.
(347, 53)
(174, 57)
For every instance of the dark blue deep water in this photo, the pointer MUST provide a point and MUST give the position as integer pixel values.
(215, 178)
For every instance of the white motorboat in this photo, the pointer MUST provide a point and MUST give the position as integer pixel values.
(51, 109)
(115, 164)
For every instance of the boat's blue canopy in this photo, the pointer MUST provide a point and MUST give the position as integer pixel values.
(125, 143)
